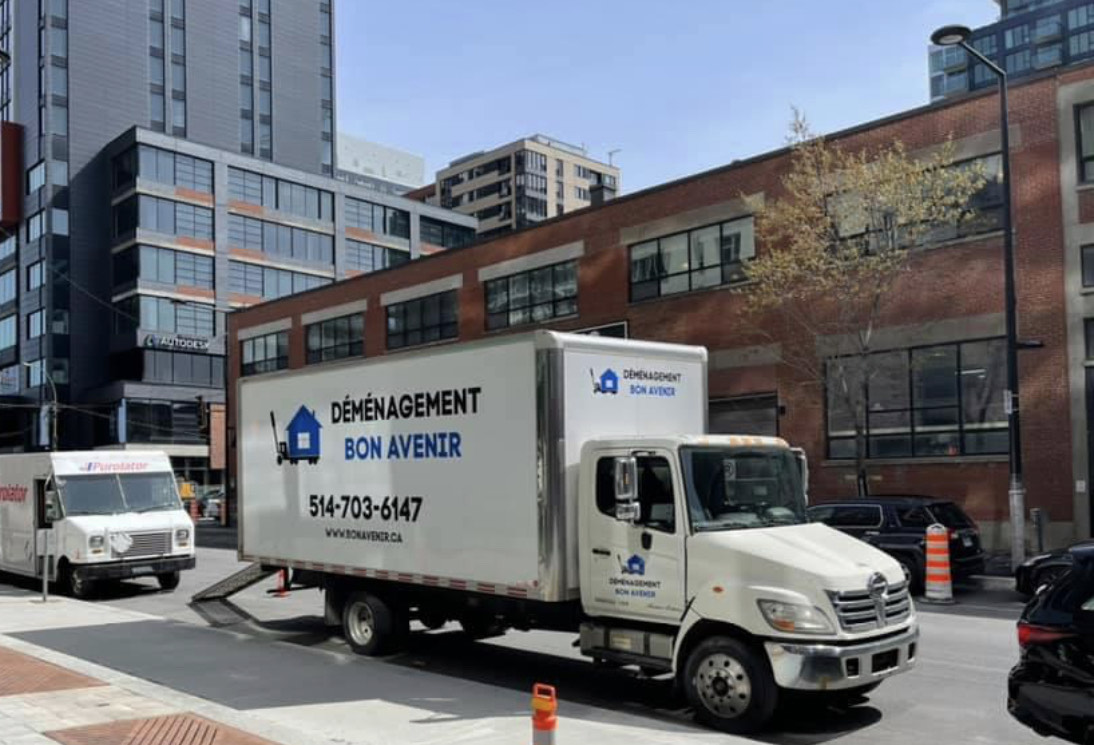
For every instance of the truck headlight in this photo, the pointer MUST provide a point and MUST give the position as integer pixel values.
(182, 536)
(96, 542)
(795, 618)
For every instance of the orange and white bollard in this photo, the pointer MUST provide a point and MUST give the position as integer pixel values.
(544, 710)
(282, 582)
(939, 587)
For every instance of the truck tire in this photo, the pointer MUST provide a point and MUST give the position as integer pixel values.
(916, 576)
(481, 627)
(371, 627)
(76, 586)
(168, 581)
(730, 685)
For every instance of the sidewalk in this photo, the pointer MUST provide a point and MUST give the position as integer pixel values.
(48, 698)
(269, 692)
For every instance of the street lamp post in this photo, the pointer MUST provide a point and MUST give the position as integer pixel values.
(52, 408)
(949, 36)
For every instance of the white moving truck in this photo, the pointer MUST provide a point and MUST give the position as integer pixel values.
(563, 482)
(109, 515)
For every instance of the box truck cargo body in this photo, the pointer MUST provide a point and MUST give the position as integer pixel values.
(563, 482)
(98, 515)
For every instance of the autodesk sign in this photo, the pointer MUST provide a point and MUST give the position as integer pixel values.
(180, 343)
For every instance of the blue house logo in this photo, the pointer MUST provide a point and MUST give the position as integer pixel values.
(635, 565)
(302, 438)
(607, 383)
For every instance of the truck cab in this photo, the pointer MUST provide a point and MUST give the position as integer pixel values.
(696, 558)
(96, 516)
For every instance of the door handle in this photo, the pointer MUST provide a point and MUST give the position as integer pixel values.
(602, 552)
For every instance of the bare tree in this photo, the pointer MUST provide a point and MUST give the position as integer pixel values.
(846, 227)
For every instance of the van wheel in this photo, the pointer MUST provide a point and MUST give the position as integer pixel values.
(75, 585)
(916, 578)
(371, 626)
(168, 581)
(730, 686)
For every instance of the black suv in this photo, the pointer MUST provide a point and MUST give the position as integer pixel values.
(898, 526)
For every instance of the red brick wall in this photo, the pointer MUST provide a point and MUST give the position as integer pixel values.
(955, 281)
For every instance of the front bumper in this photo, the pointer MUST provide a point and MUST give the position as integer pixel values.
(806, 666)
(135, 568)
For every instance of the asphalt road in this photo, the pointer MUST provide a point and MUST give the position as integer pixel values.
(956, 694)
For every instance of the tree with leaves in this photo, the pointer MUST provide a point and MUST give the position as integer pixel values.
(846, 227)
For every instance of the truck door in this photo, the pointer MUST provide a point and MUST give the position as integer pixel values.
(636, 570)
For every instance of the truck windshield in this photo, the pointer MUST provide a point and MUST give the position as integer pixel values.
(733, 488)
(114, 494)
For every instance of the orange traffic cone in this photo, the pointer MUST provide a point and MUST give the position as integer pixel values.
(544, 719)
(939, 587)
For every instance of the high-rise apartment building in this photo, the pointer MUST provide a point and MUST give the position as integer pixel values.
(388, 169)
(173, 160)
(524, 182)
(1030, 36)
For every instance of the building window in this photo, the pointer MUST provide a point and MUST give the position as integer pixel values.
(1081, 44)
(336, 338)
(268, 283)
(1088, 327)
(284, 196)
(35, 375)
(1080, 17)
(531, 161)
(36, 226)
(162, 167)
(1088, 266)
(36, 177)
(163, 216)
(445, 234)
(162, 265)
(35, 275)
(1018, 62)
(698, 259)
(532, 297)
(264, 354)
(365, 257)
(1016, 37)
(423, 320)
(8, 246)
(1085, 115)
(163, 314)
(7, 286)
(377, 218)
(581, 193)
(35, 324)
(1049, 55)
(944, 400)
(7, 331)
(280, 240)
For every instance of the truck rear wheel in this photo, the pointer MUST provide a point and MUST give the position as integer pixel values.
(730, 685)
(370, 625)
(168, 581)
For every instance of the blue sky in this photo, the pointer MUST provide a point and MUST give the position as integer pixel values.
(678, 87)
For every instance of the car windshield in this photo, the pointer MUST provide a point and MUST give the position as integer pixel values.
(114, 494)
(733, 488)
(950, 515)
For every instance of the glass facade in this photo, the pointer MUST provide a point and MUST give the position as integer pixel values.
(264, 353)
(335, 338)
(423, 320)
(943, 400)
(693, 260)
(532, 297)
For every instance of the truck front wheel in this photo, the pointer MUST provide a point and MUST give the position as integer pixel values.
(370, 625)
(730, 685)
(75, 585)
(168, 581)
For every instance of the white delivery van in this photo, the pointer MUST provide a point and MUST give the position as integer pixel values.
(564, 482)
(112, 515)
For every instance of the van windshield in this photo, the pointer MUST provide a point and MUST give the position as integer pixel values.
(734, 488)
(114, 494)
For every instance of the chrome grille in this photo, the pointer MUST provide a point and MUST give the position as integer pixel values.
(145, 544)
(857, 611)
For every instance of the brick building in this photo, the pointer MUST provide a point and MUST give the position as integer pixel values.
(937, 424)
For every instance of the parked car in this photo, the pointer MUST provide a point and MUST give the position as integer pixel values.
(1044, 569)
(1051, 690)
(898, 525)
(210, 503)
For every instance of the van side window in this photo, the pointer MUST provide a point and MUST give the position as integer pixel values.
(914, 517)
(655, 496)
(866, 516)
(605, 486)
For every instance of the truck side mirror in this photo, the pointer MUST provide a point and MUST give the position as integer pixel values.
(52, 510)
(803, 471)
(626, 489)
